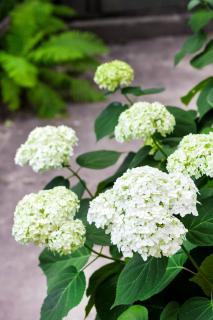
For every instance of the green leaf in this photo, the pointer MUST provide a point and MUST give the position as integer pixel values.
(205, 272)
(185, 122)
(115, 253)
(135, 313)
(79, 189)
(190, 95)
(210, 97)
(105, 184)
(133, 283)
(82, 91)
(170, 312)
(46, 101)
(207, 190)
(104, 297)
(98, 159)
(200, 228)
(66, 293)
(53, 264)
(56, 182)
(138, 91)
(196, 308)
(204, 58)
(93, 234)
(174, 267)
(192, 4)
(203, 103)
(140, 156)
(10, 93)
(22, 72)
(68, 46)
(97, 278)
(191, 45)
(107, 120)
(200, 19)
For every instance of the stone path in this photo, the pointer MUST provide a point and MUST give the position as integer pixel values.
(22, 285)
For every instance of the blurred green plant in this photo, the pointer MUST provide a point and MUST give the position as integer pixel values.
(41, 59)
(200, 45)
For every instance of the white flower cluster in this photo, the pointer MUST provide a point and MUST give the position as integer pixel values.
(194, 156)
(47, 219)
(139, 211)
(142, 120)
(47, 148)
(114, 74)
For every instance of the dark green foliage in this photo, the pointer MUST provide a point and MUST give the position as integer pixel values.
(37, 53)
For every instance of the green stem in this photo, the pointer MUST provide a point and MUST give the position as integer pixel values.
(81, 181)
(159, 147)
(103, 255)
(128, 99)
(96, 258)
(194, 263)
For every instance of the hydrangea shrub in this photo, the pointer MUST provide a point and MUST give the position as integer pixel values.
(151, 221)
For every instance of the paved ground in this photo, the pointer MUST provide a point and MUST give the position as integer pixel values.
(22, 285)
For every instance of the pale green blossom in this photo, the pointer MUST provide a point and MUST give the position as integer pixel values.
(47, 148)
(114, 74)
(194, 156)
(142, 120)
(139, 211)
(47, 219)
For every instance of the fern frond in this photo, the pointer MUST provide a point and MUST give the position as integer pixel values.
(83, 91)
(63, 11)
(68, 46)
(46, 101)
(22, 72)
(10, 93)
(82, 65)
(57, 79)
(29, 19)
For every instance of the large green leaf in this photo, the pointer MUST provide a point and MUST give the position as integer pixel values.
(185, 122)
(21, 71)
(135, 313)
(191, 45)
(93, 235)
(97, 278)
(200, 86)
(204, 58)
(103, 185)
(197, 308)
(200, 228)
(98, 159)
(56, 182)
(207, 190)
(138, 91)
(66, 293)
(200, 19)
(138, 278)
(68, 46)
(203, 103)
(170, 312)
(54, 264)
(204, 276)
(140, 157)
(107, 120)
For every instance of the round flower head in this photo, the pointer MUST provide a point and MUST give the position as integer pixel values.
(114, 74)
(142, 120)
(47, 148)
(139, 211)
(194, 156)
(47, 219)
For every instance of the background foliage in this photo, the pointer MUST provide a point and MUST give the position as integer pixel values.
(41, 59)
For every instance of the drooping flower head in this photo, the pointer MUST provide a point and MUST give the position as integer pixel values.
(47, 219)
(194, 156)
(47, 148)
(139, 211)
(114, 74)
(142, 120)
